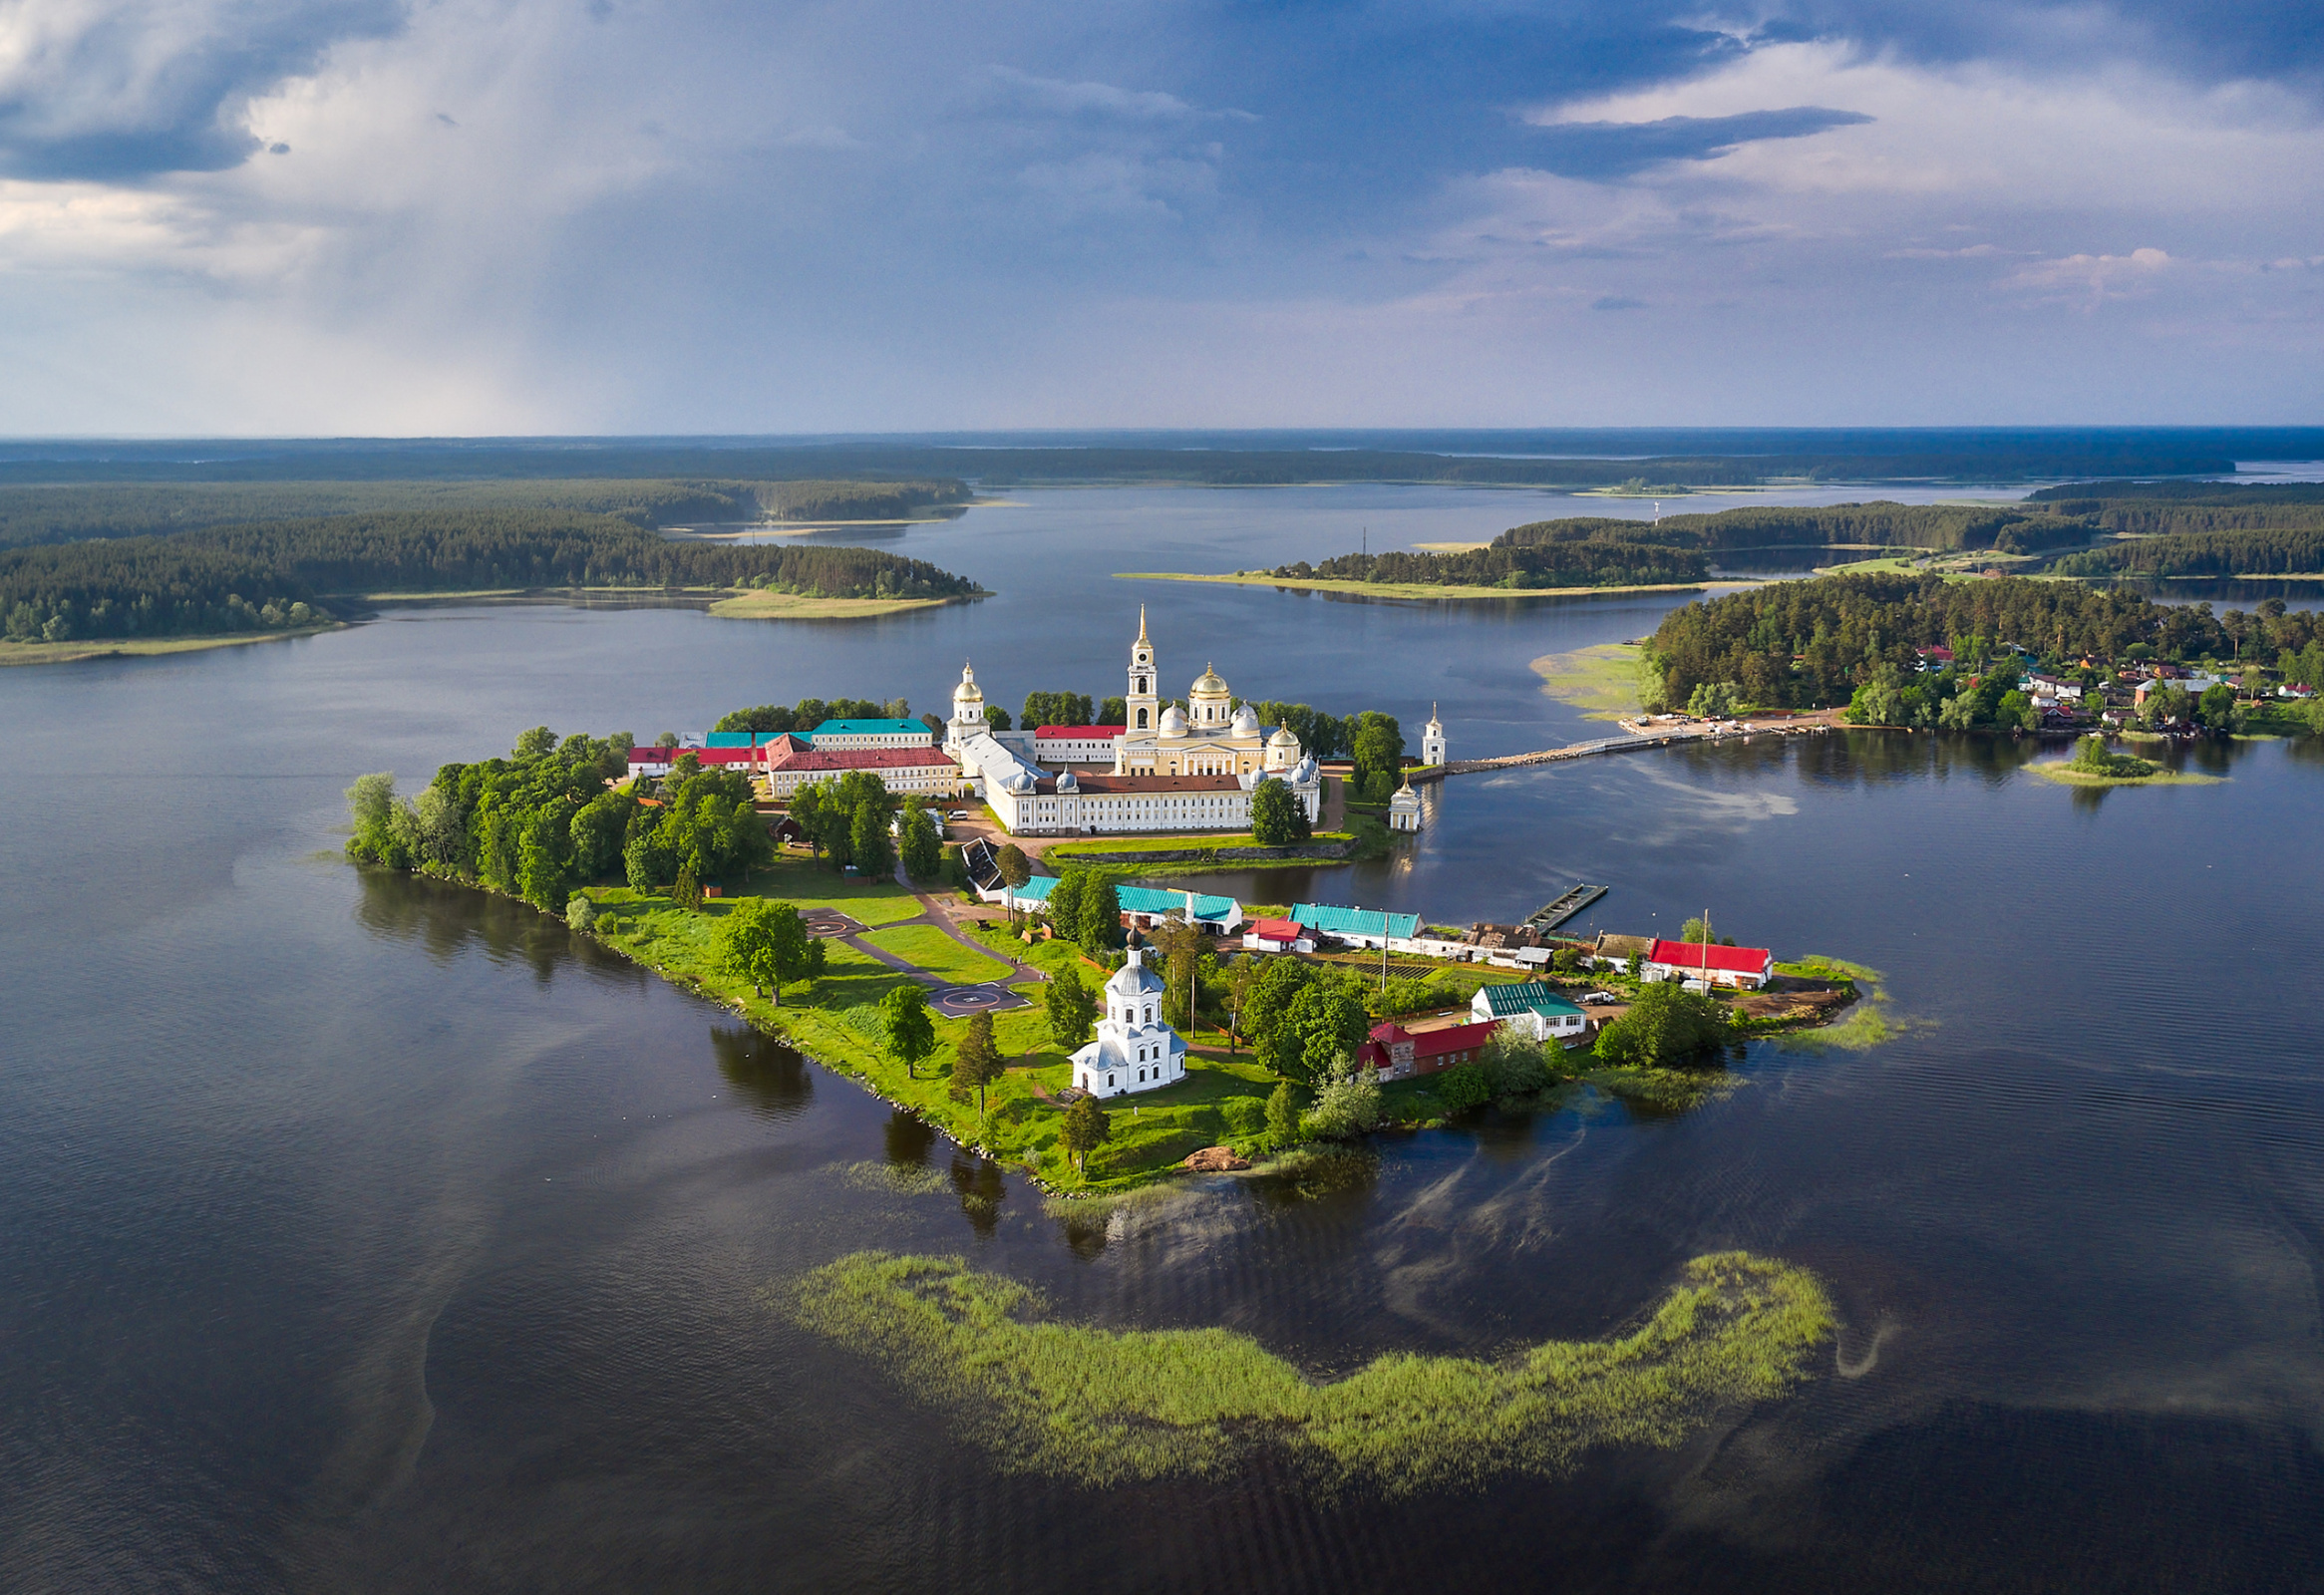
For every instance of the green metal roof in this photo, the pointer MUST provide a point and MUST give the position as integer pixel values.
(1155, 901)
(1339, 921)
(1524, 997)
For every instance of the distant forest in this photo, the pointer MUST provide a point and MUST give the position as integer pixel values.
(1810, 644)
(244, 578)
(1879, 524)
(2291, 551)
(1576, 458)
(67, 514)
(1598, 562)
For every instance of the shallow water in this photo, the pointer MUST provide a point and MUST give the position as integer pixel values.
(358, 1232)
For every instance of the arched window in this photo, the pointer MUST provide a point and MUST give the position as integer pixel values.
(1141, 720)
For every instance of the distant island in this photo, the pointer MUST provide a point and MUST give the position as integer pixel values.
(281, 578)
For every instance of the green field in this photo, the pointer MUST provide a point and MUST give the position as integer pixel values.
(937, 953)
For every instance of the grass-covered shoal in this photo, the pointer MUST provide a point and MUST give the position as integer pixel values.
(65, 653)
(1604, 680)
(761, 604)
(1402, 589)
(2065, 774)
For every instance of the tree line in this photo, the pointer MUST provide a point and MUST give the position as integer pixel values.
(543, 820)
(1810, 644)
(1593, 562)
(241, 578)
(2274, 551)
(1879, 524)
(809, 713)
(68, 512)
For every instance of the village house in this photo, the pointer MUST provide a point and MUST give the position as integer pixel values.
(1402, 1049)
(1533, 1010)
(1741, 967)
(1278, 936)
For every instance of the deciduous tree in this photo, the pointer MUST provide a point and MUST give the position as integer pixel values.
(909, 1031)
(1086, 1130)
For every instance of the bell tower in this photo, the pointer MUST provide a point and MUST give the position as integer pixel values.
(1144, 701)
(1432, 739)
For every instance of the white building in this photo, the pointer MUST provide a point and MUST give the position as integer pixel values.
(788, 765)
(1077, 745)
(1404, 809)
(1432, 750)
(1133, 1051)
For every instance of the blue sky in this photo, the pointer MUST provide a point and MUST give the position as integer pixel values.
(323, 217)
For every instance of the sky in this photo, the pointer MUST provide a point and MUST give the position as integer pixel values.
(531, 216)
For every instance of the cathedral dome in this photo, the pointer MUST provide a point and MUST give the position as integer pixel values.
(1134, 980)
(969, 692)
(1247, 722)
(1067, 783)
(1209, 684)
(1284, 740)
(1173, 722)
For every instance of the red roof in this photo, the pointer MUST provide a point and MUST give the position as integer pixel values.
(1276, 929)
(856, 759)
(1695, 955)
(1084, 731)
(703, 756)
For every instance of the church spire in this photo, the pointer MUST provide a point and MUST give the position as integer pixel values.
(1142, 625)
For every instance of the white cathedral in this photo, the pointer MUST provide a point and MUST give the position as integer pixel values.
(1133, 1051)
(1191, 769)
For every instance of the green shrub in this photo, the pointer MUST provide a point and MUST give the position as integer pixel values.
(1462, 1088)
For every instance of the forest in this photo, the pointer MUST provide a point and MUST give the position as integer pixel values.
(542, 822)
(2291, 550)
(229, 579)
(1879, 524)
(1810, 644)
(69, 512)
(1593, 562)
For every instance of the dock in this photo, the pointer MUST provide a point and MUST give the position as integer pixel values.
(1693, 731)
(1550, 915)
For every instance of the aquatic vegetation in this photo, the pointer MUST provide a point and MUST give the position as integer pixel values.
(1104, 1407)
(896, 1180)
(1869, 1022)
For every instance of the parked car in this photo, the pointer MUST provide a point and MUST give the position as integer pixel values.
(958, 814)
(1588, 997)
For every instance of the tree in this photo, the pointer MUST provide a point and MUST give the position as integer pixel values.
(1073, 1009)
(1100, 921)
(370, 804)
(580, 913)
(1347, 1103)
(867, 840)
(1267, 1000)
(978, 1062)
(1713, 700)
(1278, 817)
(746, 942)
(1114, 712)
(1694, 930)
(1462, 1088)
(765, 717)
(533, 744)
(687, 893)
(1377, 748)
(1086, 1130)
(1283, 1116)
(1666, 1024)
(996, 717)
(905, 1021)
(791, 951)
(1325, 1020)
(1064, 903)
(923, 848)
(1015, 868)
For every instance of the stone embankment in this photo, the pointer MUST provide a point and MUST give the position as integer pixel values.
(1225, 855)
(1648, 735)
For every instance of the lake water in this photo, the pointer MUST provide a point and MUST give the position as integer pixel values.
(360, 1234)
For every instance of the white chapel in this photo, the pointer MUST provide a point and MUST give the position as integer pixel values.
(1133, 1051)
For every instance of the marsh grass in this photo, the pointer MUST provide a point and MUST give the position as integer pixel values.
(1608, 680)
(1107, 1407)
(1870, 1021)
(896, 1180)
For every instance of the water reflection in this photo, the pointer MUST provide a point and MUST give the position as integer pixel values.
(448, 919)
(981, 1186)
(773, 1079)
(909, 1139)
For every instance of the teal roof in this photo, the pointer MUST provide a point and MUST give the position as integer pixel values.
(1527, 997)
(1154, 901)
(1354, 921)
(741, 738)
(872, 728)
(1037, 889)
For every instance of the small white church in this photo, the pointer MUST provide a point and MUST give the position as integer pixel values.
(1135, 1051)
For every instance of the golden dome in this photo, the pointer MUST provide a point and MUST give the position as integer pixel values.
(1209, 684)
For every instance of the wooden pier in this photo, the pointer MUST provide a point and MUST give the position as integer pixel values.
(1724, 731)
(1550, 915)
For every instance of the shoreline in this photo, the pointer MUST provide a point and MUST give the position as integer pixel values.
(1405, 590)
(72, 653)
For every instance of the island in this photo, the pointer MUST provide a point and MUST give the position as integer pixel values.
(1002, 929)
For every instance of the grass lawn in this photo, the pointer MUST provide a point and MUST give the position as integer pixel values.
(810, 883)
(938, 954)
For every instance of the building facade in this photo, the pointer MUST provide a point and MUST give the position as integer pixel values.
(924, 770)
(1431, 749)
(843, 735)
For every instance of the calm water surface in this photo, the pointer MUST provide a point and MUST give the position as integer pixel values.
(361, 1233)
